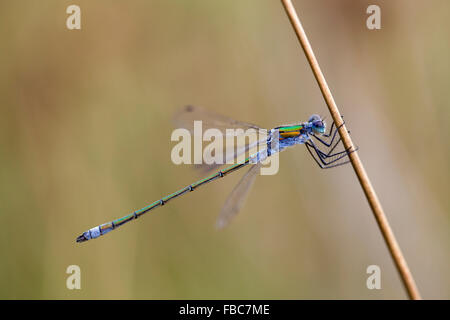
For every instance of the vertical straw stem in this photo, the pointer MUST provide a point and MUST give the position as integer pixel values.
(363, 178)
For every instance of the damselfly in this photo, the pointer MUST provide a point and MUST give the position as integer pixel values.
(321, 145)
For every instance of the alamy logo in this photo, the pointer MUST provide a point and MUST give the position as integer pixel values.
(230, 147)
(74, 280)
(374, 280)
(374, 20)
(74, 20)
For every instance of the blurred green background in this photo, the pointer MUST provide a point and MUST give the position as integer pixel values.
(85, 131)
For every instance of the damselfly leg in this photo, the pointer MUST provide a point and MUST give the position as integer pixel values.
(325, 157)
(326, 161)
(328, 144)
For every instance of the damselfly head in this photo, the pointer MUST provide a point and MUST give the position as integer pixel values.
(317, 124)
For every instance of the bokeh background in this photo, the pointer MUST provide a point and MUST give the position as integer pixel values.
(85, 129)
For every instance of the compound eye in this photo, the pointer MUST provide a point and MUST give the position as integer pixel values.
(318, 124)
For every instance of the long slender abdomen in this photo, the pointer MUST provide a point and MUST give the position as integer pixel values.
(107, 227)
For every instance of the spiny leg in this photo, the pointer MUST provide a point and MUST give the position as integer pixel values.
(332, 126)
(329, 134)
(322, 156)
(331, 130)
(312, 155)
(329, 145)
(324, 166)
(331, 148)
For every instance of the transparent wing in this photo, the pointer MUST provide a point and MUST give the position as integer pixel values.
(187, 115)
(237, 197)
(230, 157)
(210, 120)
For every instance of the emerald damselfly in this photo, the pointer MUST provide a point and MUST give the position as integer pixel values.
(321, 145)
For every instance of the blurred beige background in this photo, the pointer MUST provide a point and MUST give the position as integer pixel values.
(85, 138)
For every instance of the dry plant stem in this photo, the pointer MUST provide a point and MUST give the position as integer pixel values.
(372, 198)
